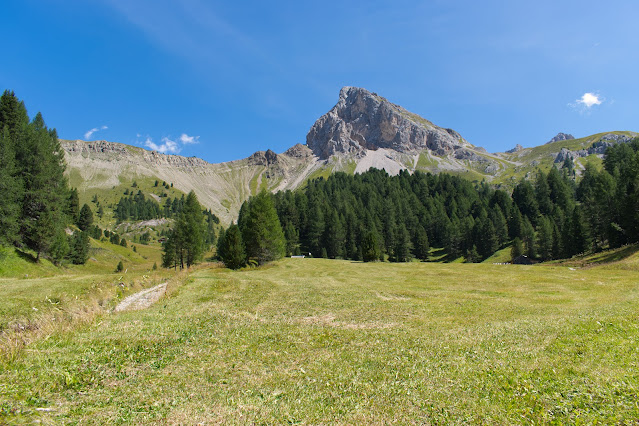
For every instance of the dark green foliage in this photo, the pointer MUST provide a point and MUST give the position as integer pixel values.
(123, 242)
(185, 243)
(34, 195)
(545, 239)
(120, 267)
(145, 238)
(155, 266)
(407, 214)
(60, 247)
(114, 238)
(421, 244)
(73, 204)
(85, 218)
(79, 248)
(472, 255)
(370, 247)
(517, 249)
(232, 251)
(9, 190)
(261, 229)
(136, 207)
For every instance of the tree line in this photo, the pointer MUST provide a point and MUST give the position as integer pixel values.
(374, 216)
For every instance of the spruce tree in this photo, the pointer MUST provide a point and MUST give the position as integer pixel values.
(79, 252)
(233, 252)
(261, 229)
(422, 247)
(517, 249)
(191, 222)
(370, 247)
(544, 239)
(9, 190)
(85, 218)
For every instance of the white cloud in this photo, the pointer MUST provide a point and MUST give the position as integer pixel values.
(90, 133)
(589, 99)
(168, 146)
(188, 140)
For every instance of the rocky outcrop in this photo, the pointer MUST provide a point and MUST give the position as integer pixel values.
(362, 120)
(517, 148)
(598, 147)
(113, 151)
(561, 137)
(263, 158)
(299, 151)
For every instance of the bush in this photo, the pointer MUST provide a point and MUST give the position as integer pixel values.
(120, 267)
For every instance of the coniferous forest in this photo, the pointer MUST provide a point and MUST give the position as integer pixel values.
(36, 204)
(374, 216)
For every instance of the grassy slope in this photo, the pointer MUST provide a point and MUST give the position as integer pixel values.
(32, 292)
(320, 341)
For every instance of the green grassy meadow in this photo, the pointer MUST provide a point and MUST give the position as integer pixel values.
(312, 341)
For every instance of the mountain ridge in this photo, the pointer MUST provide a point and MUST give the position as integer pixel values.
(362, 130)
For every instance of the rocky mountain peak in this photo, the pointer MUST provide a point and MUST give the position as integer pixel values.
(362, 120)
(561, 137)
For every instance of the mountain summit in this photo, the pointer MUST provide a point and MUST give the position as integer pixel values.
(362, 120)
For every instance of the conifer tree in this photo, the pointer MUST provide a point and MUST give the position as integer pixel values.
(544, 239)
(79, 252)
(233, 252)
(422, 247)
(261, 229)
(370, 247)
(85, 218)
(9, 190)
(517, 249)
(191, 222)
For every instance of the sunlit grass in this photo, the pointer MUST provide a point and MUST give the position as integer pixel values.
(324, 341)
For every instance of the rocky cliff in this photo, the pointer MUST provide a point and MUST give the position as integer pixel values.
(362, 120)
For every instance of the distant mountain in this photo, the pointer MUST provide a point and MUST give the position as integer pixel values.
(362, 130)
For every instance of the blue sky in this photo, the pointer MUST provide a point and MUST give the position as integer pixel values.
(221, 80)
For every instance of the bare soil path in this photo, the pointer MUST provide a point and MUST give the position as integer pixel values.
(142, 299)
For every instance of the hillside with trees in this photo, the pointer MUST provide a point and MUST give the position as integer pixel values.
(36, 203)
(374, 216)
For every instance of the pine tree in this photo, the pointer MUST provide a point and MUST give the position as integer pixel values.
(79, 253)
(403, 245)
(517, 249)
(233, 252)
(85, 218)
(422, 247)
(544, 239)
(45, 187)
(370, 247)
(192, 223)
(73, 205)
(261, 229)
(9, 190)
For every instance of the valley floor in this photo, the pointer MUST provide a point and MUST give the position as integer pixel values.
(322, 341)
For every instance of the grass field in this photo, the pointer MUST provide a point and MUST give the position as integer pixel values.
(322, 341)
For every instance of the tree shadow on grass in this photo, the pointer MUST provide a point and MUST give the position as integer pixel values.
(616, 255)
(26, 256)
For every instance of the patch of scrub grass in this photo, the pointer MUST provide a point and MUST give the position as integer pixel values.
(320, 341)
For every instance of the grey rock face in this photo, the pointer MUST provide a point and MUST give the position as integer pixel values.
(299, 151)
(263, 158)
(517, 148)
(362, 120)
(598, 147)
(561, 137)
